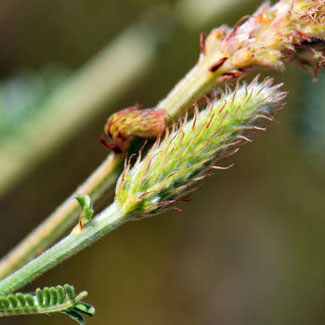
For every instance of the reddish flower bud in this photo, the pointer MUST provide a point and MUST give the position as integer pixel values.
(133, 122)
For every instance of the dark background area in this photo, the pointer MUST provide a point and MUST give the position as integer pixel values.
(249, 249)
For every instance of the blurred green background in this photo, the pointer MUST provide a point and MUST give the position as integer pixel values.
(250, 247)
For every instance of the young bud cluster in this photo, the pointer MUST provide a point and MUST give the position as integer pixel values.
(133, 122)
(291, 30)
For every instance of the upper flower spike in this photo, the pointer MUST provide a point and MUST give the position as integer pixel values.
(267, 38)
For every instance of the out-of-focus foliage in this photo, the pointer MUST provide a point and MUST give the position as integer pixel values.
(311, 120)
(249, 249)
(24, 93)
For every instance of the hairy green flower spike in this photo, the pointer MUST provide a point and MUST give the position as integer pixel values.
(187, 153)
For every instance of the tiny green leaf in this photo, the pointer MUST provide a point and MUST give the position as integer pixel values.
(61, 294)
(87, 209)
(5, 302)
(69, 291)
(21, 298)
(40, 297)
(47, 295)
(30, 300)
(75, 315)
(13, 301)
(54, 296)
(85, 308)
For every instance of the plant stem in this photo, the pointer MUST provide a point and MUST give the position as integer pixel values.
(99, 183)
(197, 81)
(113, 72)
(153, 184)
(63, 217)
(106, 221)
(226, 54)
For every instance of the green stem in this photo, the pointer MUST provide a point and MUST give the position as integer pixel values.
(112, 72)
(106, 221)
(196, 82)
(63, 218)
(199, 80)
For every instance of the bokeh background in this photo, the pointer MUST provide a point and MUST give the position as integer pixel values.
(250, 247)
